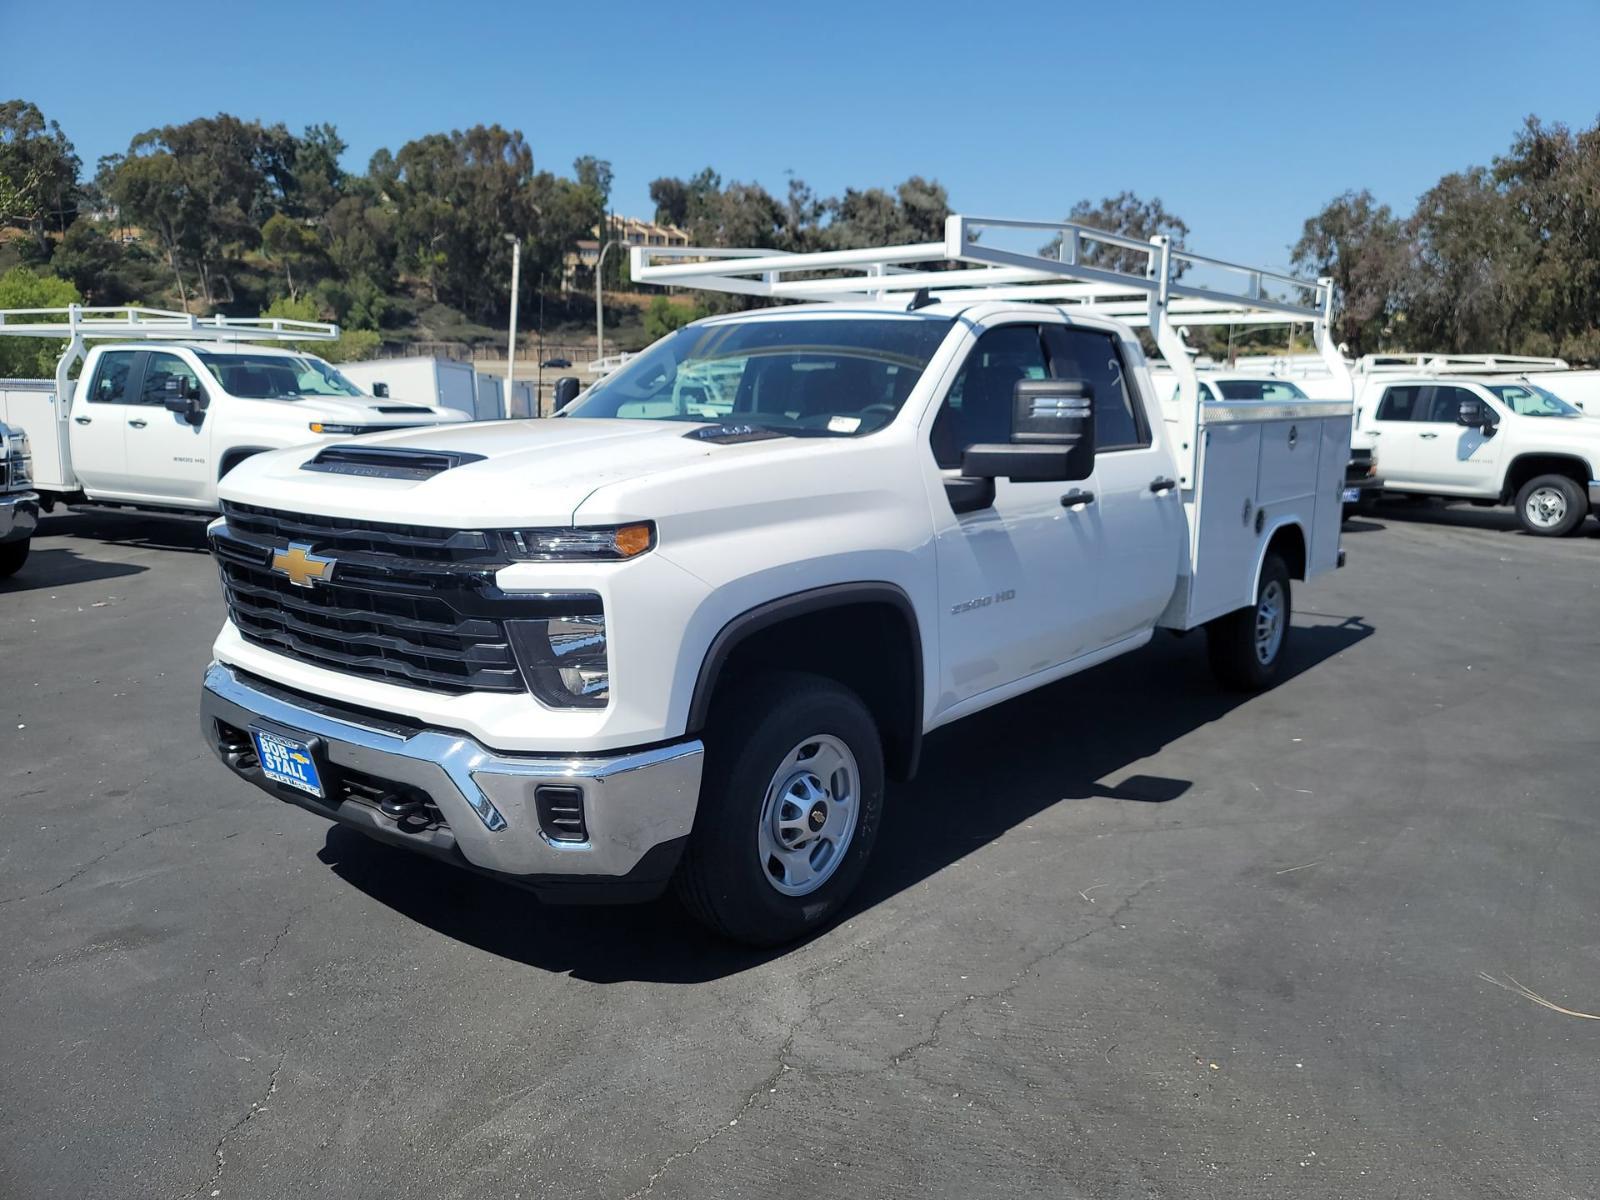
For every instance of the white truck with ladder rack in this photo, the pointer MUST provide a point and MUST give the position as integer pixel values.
(167, 403)
(1489, 429)
(685, 630)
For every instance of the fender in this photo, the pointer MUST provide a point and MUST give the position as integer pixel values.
(1261, 554)
(772, 612)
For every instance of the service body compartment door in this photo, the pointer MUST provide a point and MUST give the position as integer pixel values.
(1328, 518)
(1225, 540)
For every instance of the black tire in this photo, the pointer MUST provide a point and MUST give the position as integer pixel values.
(722, 879)
(1551, 506)
(1232, 643)
(12, 556)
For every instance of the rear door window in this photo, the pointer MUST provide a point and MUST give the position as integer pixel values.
(112, 377)
(1399, 403)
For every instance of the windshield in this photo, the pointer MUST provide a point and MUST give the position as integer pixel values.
(1530, 400)
(1259, 389)
(807, 376)
(276, 376)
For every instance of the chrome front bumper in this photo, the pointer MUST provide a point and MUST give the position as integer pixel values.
(638, 805)
(19, 516)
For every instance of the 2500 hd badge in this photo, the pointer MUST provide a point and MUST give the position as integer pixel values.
(967, 606)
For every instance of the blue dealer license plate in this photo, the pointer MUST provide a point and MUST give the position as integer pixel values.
(288, 761)
(1351, 495)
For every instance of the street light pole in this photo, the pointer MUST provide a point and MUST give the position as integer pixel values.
(511, 341)
(599, 308)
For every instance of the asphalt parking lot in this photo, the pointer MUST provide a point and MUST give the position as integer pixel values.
(1127, 937)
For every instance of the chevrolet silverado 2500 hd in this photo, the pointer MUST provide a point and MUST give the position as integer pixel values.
(686, 630)
(167, 404)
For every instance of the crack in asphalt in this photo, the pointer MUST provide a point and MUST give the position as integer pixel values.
(767, 1085)
(1107, 921)
(93, 862)
(210, 1185)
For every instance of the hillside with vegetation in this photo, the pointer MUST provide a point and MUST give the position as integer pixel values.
(226, 215)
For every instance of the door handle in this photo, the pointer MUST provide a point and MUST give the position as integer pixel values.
(137, 423)
(1163, 484)
(83, 420)
(1427, 437)
(1075, 497)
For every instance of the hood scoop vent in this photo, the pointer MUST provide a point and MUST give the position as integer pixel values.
(388, 462)
(403, 408)
(732, 435)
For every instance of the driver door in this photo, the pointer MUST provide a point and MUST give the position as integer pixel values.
(1010, 574)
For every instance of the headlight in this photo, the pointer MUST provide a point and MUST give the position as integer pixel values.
(602, 543)
(21, 459)
(563, 656)
(324, 427)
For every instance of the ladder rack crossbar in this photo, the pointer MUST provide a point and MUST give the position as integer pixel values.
(133, 323)
(965, 267)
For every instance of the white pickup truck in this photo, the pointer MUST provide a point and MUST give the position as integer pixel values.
(677, 636)
(19, 504)
(1487, 439)
(167, 404)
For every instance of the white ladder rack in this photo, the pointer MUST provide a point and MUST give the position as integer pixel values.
(1081, 273)
(131, 323)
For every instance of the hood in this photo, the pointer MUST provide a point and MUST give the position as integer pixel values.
(1577, 434)
(370, 410)
(493, 473)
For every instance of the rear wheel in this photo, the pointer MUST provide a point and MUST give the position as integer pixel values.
(1551, 506)
(12, 556)
(789, 808)
(1246, 647)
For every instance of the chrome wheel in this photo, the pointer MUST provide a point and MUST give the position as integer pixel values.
(1545, 507)
(1269, 622)
(809, 815)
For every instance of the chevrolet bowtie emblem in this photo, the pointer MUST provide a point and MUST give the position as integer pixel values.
(301, 566)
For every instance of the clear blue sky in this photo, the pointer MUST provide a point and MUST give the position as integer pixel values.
(1243, 118)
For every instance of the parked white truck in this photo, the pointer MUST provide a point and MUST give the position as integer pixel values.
(659, 638)
(19, 504)
(166, 404)
(1488, 439)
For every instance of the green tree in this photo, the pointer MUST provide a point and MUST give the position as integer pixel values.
(289, 243)
(26, 357)
(38, 173)
(663, 316)
(1364, 248)
(1127, 214)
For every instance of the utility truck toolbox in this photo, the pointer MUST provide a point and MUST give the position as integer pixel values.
(685, 632)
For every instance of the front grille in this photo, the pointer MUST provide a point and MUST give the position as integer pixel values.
(411, 605)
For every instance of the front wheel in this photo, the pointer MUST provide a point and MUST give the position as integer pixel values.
(789, 810)
(1246, 647)
(12, 556)
(1551, 506)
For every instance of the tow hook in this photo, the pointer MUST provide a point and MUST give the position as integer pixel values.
(400, 808)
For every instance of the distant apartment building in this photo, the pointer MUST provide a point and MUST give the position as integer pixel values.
(578, 266)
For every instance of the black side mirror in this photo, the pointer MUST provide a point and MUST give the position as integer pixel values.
(381, 390)
(566, 391)
(1052, 435)
(1475, 414)
(185, 398)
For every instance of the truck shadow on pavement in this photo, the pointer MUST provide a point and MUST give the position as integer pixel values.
(55, 568)
(1465, 516)
(979, 778)
(117, 528)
